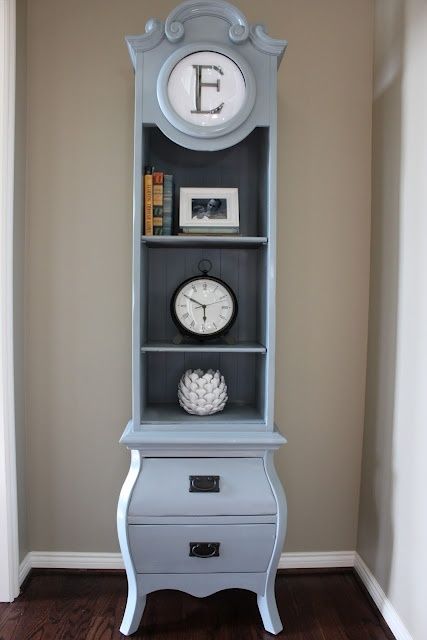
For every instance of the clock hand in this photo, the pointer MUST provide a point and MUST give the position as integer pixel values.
(204, 311)
(193, 300)
(200, 305)
(209, 304)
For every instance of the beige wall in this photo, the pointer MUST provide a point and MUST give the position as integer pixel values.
(80, 92)
(18, 267)
(375, 539)
(393, 515)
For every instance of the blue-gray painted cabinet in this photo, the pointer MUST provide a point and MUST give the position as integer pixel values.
(202, 508)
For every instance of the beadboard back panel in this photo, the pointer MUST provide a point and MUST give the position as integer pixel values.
(243, 372)
(239, 268)
(242, 165)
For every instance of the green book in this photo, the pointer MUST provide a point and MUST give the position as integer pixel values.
(167, 205)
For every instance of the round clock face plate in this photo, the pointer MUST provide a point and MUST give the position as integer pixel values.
(206, 88)
(203, 307)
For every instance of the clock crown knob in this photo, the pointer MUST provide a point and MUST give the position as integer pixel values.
(204, 266)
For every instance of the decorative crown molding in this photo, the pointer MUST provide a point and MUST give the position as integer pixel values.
(154, 34)
(174, 28)
(263, 42)
(174, 25)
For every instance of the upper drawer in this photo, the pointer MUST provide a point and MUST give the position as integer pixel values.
(163, 488)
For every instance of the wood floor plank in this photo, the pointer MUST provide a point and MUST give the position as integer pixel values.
(89, 606)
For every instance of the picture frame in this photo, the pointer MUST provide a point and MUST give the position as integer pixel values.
(215, 208)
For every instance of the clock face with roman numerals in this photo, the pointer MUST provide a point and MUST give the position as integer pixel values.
(204, 307)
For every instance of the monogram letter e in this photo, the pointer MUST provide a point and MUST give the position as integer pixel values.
(199, 84)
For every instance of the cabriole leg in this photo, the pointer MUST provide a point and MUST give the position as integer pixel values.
(269, 614)
(267, 601)
(133, 613)
(136, 600)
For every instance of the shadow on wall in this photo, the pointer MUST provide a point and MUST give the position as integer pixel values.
(376, 530)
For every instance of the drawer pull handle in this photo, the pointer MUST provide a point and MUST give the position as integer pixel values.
(204, 549)
(204, 484)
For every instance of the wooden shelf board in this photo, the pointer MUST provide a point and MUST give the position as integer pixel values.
(193, 438)
(216, 347)
(204, 241)
(162, 414)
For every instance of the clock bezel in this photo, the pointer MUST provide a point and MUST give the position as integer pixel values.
(199, 131)
(202, 336)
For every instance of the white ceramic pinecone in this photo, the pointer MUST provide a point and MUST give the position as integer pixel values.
(202, 394)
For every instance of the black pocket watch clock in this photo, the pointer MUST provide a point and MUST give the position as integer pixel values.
(204, 307)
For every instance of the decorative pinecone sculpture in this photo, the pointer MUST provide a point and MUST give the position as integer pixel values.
(202, 394)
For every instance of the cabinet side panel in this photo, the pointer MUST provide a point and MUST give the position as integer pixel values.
(136, 262)
(270, 267)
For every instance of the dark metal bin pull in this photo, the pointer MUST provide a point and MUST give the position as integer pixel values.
(204, 549)
(204, 484)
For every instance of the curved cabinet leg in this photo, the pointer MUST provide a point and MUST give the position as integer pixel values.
(267, 602)
(136, 600)
(269, 614)
(135, 606)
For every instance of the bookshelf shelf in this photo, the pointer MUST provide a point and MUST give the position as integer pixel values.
(204, 241)
(165, 414)
(223, 347)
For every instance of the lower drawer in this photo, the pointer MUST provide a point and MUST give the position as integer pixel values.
(233, 548)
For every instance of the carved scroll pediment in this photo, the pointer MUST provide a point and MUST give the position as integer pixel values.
(173, 28)
(175, 22)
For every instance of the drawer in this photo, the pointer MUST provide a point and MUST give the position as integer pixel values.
(166, 548)
(164, 488)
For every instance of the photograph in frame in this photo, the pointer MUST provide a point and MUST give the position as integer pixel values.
(209, 208)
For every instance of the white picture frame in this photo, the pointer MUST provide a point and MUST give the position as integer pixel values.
(206, 207)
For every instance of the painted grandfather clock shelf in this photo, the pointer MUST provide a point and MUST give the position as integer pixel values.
(202, 508)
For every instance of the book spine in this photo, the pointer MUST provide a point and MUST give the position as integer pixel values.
(148, 203)
(157, 203)
(167, 204)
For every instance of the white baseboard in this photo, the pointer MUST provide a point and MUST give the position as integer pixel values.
(72, 560)
(313, 560)
(24, 568)
(75, 560)
(317, 560)
(384, 605)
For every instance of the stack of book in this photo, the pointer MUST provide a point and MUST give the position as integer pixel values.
(158, 203)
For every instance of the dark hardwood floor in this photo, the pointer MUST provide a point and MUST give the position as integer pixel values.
(89, 606)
